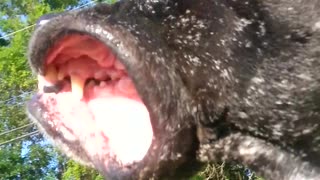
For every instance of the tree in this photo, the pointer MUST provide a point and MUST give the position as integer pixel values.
(32, 157)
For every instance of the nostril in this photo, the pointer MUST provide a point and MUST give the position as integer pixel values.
(52, 88)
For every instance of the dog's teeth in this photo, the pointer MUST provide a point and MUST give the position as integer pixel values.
(77, 84)
(51, 74)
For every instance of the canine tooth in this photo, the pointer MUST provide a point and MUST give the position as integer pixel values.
(62, 73)
(51, 74)
(77, 84)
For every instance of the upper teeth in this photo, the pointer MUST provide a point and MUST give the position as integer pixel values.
(51, 74)
(77, 84)
(62, 72)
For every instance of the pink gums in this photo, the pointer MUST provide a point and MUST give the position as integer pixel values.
(110, 118)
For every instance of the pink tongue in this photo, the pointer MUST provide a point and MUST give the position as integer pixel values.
(126, 124)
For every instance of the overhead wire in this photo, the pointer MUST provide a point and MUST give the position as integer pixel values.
(16, 129)
(79, 7)
(30, 26)
(19, 138)
(15, 32)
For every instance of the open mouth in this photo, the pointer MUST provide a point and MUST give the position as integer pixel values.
(89, 97)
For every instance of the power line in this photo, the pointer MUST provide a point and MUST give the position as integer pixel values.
(79, 7)
(20, 137)
(15, 32)
(30, 26)
(16, 129)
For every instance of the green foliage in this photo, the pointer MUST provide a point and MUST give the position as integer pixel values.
(224, 172)
(76, 172)
(4, 42)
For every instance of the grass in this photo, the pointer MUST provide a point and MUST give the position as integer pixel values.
(225, 172)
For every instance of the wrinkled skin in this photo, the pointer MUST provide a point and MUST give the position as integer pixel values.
(222, 80)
